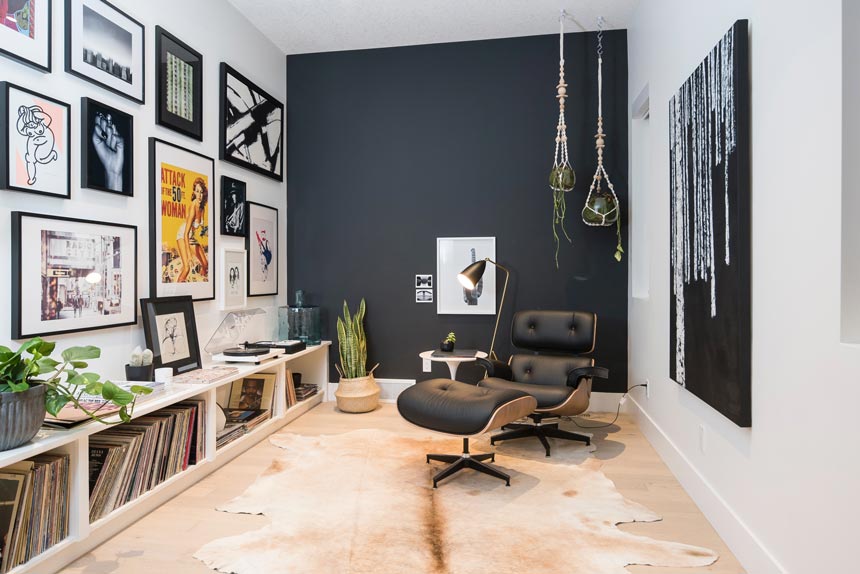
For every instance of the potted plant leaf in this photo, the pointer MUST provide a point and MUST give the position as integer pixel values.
(357, 391)
(447, 344)
(33, 383)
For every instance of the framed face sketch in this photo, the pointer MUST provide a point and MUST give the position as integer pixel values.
(105, 46)
(107, 148)
(35, 142)
(262, 246)
(233, 219)
(181, 218)
(453, 254)
(25, 32)
(179, 85)
(233, 281)
(171, 333)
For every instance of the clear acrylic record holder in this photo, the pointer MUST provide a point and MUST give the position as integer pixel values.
(238, 328)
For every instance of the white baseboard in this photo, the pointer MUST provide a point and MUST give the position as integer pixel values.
(744, 544)
(390, 388)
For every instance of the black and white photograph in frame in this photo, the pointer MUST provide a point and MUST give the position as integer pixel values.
(178, 85)
(35, 152)
(453, 254)
(71, 275)
(170, 331)
(710, 234)
(424, 281)
(252, 126)
(424, 295)
(25, 32)
(234, 284)
(233, 196)
(106, 46)
(262, 246)
(107, 148)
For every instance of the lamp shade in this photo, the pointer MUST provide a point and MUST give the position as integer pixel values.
(471, 275)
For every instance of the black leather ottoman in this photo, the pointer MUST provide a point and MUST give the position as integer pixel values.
(460, 409)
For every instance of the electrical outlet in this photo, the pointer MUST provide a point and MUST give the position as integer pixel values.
(702, 439)
(647, 388)
(428, 367)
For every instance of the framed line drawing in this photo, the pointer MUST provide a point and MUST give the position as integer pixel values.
(453, 254)
(178, 85)
(25, 32)
(35, 142)
(262, 246)
(170, 331)
(106, 47)
(71, 275)
(234, 284)
(107, 148)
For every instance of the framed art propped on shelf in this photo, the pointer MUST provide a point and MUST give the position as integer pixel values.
(262, 246)
(71, 275)
(170, 331)
(453, 254)
(181, 222)
(178, 85)
(25, 32)
(107, 148)
(253, 392)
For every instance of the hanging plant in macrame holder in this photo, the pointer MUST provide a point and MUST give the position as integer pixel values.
(602, 208)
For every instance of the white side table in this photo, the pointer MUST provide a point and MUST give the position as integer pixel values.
(452, 362)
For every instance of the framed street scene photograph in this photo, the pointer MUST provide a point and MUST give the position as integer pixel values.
(25, 32)
(107, 148)
(453, 254)
(170, 331)
(233, 196)
(35, 154)
(179, 85)
(253, 393)
(181, 218)
(252, 126)
(71, 275)
(105, 46)
(262, 246)
(233, 283)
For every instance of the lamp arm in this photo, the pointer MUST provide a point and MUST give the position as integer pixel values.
(501, 305)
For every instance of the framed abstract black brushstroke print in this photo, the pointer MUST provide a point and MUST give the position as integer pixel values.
(233, 217)
(252, 126)
(107, 148)
(709, 164)
(179, 85)
(71, 275)
(25, 32)
(106, 46)
(262, 247)
(170, 330)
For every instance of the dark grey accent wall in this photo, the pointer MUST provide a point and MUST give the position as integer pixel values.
(389, 149)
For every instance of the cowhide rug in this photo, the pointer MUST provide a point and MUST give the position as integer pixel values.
(362, 502)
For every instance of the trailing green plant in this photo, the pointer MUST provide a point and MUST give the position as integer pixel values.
(352, 343)
(65, 380)
(451, 338)
(140, 358)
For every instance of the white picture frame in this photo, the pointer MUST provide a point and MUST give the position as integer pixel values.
(30, 45)
(234, 292)
(453, 254)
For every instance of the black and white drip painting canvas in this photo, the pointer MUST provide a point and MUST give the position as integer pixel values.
(709, 180)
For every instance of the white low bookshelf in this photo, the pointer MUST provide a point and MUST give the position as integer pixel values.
(84, 536)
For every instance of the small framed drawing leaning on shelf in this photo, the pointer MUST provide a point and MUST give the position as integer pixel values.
(171, 332)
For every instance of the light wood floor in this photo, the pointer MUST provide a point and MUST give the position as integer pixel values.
(164, 540)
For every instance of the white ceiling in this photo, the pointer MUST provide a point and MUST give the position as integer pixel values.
(305, 26)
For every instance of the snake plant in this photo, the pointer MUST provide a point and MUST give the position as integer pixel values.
(352, 343)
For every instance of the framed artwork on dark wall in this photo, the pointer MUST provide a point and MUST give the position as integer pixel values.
(170, 331)
(35, 152)
(252, 126)
(179, 85)
(262, 246)
(107, 148)
(71, 275)
(181, 218)
(25, 32)
(233, 195)
(106, 46)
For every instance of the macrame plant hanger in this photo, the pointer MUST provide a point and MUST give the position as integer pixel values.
(602, 208)
(562, 177)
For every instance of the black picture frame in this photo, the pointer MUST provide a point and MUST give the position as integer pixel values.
(168, 44)
(234, 216)
(64, 271)
(135, 93)
(260, 106)
(254, 251)
(18, 57)
(93, 169)
(6, 143)
(168, 308)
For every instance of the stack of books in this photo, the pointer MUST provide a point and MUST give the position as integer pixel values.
(305, 391)
(34, 507)
(230, 433)
(240, 422)
(129, 459)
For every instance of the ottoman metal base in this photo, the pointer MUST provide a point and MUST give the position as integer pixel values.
(466, 460)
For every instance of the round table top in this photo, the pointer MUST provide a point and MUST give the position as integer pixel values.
(428, 356)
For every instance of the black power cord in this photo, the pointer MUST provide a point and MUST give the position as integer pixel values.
(617, 413)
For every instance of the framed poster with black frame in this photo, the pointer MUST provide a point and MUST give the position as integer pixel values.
(178, 85)
(252, 126)
(233, 197)
(107, 148)
(35, 154)
(106, 47)
(262, 246)
(25, 32)
(181, 220)
(170, 331)
(71, 275)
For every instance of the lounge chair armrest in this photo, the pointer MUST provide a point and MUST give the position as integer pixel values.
(496, 369)
(576, 375)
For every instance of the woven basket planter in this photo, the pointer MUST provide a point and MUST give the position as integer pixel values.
(358, 395)
(21, 415)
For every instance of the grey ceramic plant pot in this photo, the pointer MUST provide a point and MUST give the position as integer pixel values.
(21, 415)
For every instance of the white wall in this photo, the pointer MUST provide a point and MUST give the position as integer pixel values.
(219, 32)
(784, 494)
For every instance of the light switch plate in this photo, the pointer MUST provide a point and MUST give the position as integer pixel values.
(428, 367)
